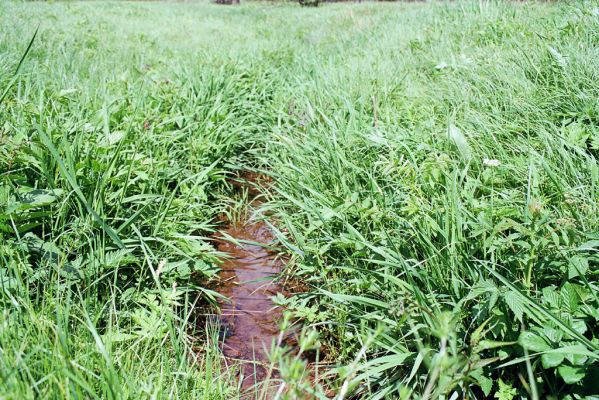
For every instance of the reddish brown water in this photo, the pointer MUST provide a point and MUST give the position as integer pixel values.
(250, 322)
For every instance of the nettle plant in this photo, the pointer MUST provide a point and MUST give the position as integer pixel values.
(544, 317)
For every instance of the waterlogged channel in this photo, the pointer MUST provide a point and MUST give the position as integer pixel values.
(250, 321)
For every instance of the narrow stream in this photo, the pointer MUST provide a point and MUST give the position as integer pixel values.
(250, 322)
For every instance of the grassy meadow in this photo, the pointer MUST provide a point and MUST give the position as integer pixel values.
(436, 190)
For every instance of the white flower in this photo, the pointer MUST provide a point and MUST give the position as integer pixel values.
(441, 65)
(491, 163)
(161, 265)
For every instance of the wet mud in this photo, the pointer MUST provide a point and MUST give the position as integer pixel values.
(249, 322)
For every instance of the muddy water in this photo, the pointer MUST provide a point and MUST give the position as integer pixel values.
(250, 322)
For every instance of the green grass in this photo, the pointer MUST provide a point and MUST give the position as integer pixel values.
(436, 187)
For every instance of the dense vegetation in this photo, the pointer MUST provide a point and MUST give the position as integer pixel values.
(436, 187)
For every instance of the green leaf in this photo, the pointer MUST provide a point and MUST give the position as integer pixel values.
(374, 367)
(579, 326)
(515, 304)
(506, 391)
(570, 297)
(345, 298)
(485, 383)
(543, 311)
(590, 245)
(551, 360)
(578, 359)
(50, 253)
(552, 335)
(557, 56)
(14, 79)
(460, 141)
(551, 297)
(492, 344)
(578, 266)
(533, 342)
(30, 198)
(119, 337)
(571, 374)
(112, 138)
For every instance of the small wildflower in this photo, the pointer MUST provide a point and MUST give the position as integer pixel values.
(441, 65)
(161, 266)
(535, 208)
(491, 163)
(565, 221)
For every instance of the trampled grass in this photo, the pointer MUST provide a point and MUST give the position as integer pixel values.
(436, 188)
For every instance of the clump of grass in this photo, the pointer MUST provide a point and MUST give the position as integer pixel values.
(439, 181)
(109, 184)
